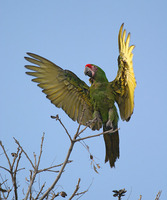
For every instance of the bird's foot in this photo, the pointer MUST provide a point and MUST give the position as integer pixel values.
(109, 125)
(94, 124)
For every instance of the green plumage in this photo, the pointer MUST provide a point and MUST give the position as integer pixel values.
(103, 98)
(65, 90)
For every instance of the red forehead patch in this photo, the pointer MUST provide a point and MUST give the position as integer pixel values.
(88, 65)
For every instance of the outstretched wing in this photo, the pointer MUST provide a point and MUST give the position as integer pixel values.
(124, 84)
(64, 89)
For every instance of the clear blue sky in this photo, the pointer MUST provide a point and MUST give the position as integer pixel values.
(72, 34)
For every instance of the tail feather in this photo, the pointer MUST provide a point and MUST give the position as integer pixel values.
(112, 147)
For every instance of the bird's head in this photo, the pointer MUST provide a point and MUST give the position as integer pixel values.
(95, 73)
(90, 70)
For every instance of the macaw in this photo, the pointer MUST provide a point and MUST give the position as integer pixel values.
(65, 90)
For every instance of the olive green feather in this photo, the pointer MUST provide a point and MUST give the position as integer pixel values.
(62, 87)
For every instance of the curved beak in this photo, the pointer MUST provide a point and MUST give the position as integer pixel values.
(88, 71)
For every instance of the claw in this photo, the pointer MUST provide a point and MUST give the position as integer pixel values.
(91, 122)
(109, 125)
(94, 124)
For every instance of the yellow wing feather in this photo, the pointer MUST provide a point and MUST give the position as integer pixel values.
(125, 83)
(64, 89)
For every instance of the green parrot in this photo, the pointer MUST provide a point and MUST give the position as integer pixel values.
(65, 90)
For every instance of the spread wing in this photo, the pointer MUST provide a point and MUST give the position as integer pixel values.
(124, 84)
(64, 89)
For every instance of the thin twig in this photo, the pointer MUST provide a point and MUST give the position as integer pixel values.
(140, 197)
(2, 190)
(40, 191)
(55, 195)
(65, 161)
(35, 159)
(31, 186)
(17, 142)
(8, 193)
(76, 189)
(4, 182)
(57, 118)
(5, 169)
(15, 157)
(6, 154)
(15, 171)
(17, 163)
(82, 193)
(83, 129)
(21, 169)
(80, 120)
(13, 177)
(88, 125)
(39, 159)
(158, 195)
(48, 168)
(31, 183)
(35, 171)
(60, 172)
(91, 136)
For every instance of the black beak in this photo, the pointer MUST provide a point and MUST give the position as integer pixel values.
(88, 72)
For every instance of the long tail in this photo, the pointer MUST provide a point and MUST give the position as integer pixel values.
(112, 147)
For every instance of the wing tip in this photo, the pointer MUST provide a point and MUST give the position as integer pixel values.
(26, 58)
(30, 54)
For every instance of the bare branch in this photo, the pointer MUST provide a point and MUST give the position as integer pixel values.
(83, 129)
(21, 169)
(55, 195)
(15, 171)
(5, 169)
(14, 185)
(6, 188)
(88, 124)
(91, 136)
(30, 193)
(15, 157)
(76, 189)
(17, 163)
(6, 155)
(35, 159)
(13, 177)
(3, 182)
(17, 142)
(48, 168)
(40, 191)
(80, 120)
(140, 197)
(158, 195)
(67, 157)
(80, 194)
(39, 159)
(2, 190)
(57, 118)
(32, 179)
(31, 183)
(60, 172)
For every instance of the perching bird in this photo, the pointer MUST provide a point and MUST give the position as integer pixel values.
(65, 90)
